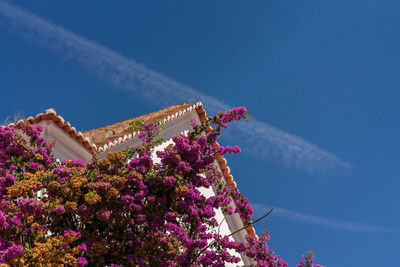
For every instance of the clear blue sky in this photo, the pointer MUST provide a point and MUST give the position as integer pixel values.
(324, 71)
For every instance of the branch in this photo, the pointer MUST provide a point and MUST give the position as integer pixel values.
(219, 226)
(244, 227)
(259, 219)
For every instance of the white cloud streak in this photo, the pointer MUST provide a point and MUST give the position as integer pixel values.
(260, 138)
(322, 221)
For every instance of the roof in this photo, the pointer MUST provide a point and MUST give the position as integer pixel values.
(109, 136)
(104, 138)
(51, 115)
(226, 171)
(112, 135)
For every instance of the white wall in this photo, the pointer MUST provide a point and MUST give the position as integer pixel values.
(69, 148)
(66, 146)
(224, 228)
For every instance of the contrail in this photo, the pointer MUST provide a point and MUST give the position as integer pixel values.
(327, 222)
(259, 137)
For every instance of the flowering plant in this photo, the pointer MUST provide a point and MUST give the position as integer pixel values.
(125, 209)
(308, 260)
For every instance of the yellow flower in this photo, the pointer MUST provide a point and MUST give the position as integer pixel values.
(26, 187)
(113, 192)
(38, 156)
(92, 198)
(29, 219)
(70, 206)
(77, 182)
(118, 157)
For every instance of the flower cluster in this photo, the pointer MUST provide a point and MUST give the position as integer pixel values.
(308, 260)
(125, 209)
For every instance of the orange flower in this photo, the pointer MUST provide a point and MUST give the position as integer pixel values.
(92, 198)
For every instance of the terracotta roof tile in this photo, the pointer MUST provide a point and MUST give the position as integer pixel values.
(106, 137)
(51, 115)
(98, 140)
(109, 136)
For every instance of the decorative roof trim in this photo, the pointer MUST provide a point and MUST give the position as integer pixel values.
(198, 107)
(133, 134)
(51, 115)
(226, 172)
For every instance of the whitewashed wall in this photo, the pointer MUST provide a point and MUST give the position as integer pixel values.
(68, 148)
(224, 228)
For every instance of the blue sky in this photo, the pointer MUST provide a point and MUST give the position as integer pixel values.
(319, 77)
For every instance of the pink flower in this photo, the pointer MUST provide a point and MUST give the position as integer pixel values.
(36, 166)
(82, 261)
(103, 215)
(12, 252)
(82, 247)
(169, 181)
(60, 210)
(193, 122)
(3, 220)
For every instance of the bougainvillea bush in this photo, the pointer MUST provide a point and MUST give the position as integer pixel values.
(124, 210)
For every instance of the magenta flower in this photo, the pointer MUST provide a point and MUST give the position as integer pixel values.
(159, 215)
(82, 247)
(12, 252)
(36, 166)
(193, 122)
(8, 181)
(82, 261)
(3, 220)
(83, 211)
(60, 210)
(103, 215)
(169, 181)
(15, 221)
(182, 168)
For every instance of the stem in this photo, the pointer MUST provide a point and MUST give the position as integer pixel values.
(244, 227)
